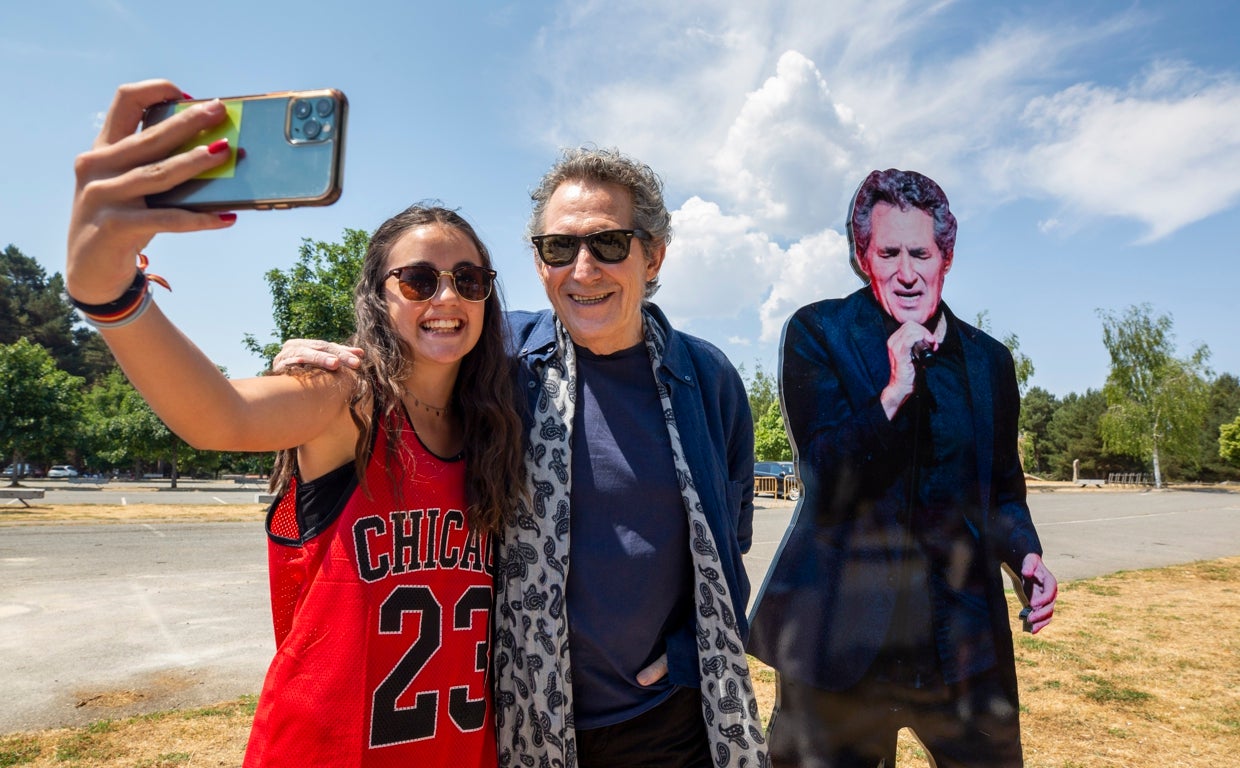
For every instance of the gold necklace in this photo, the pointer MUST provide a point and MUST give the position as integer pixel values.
(437, 411)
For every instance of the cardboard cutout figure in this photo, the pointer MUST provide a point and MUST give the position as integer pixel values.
(884, 607)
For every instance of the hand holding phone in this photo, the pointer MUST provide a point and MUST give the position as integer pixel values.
(287, 151)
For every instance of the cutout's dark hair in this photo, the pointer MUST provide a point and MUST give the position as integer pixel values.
(904, 190)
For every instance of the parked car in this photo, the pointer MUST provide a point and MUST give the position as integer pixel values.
(62, 470)
(23, 470)
(786, 485)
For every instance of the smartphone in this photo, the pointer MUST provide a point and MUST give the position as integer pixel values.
(287, 151)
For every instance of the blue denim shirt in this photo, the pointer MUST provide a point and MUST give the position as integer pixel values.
(716, 428)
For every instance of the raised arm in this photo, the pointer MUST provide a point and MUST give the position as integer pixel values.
(109, 228)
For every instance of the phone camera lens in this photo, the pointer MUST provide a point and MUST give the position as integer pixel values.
(301, 109)
(312, 128)
(324, 107)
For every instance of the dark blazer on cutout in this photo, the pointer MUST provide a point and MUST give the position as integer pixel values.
(828, 599)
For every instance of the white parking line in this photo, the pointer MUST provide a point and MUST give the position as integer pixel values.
(1105, 519)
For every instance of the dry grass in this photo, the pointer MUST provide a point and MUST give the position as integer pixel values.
(49, 514)
(212, 736)
(1138, 669)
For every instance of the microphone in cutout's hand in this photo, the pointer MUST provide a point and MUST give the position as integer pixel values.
(922, 352)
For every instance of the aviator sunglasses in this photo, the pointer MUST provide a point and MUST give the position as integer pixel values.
(611, 246)
(419, 282)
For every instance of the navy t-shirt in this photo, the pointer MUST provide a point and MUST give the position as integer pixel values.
(630, 572)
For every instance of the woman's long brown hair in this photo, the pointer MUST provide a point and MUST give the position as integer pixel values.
(483, 394)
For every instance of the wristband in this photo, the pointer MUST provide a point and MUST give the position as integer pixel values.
(126, 300)
(123, 318)
(128, 307)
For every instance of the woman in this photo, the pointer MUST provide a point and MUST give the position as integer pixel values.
(393, 478)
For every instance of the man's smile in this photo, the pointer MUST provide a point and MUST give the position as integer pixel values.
(588, 300)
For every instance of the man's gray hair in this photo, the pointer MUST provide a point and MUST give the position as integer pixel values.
(612, 167)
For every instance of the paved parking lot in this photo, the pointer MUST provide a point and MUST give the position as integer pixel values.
(110, 620)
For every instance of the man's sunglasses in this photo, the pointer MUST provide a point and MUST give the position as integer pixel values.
(419, 282)
(611, 246)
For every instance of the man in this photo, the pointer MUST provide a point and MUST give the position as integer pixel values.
(884, 608)
(624, 648)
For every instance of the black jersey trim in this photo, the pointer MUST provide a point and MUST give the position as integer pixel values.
(319, 502)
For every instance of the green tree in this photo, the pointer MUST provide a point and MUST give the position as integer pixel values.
(32, 306)
(314, 298)
(147, 438)
(1074, 433)
(94, 359)
(1223, 406)
(29, 309)
(1156, 402)
(770, 439)
(121, 430)
(39, 404)
(100, 404)
(1023, 363)
(762, 389)
(1229, 441)
(1036, 409)
(135, 435)
(239, 463)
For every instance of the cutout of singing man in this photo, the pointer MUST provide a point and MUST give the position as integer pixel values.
(884, 607)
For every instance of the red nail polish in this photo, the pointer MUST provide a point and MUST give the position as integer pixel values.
(186, 96)
(228, 217)
(217, 146)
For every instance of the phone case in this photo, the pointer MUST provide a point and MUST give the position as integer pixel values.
(287, 151)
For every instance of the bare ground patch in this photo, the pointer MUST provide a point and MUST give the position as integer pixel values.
(46, 514)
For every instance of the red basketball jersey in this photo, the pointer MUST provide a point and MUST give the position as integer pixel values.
(381, 606)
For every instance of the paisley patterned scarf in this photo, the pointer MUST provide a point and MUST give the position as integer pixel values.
(533, 701)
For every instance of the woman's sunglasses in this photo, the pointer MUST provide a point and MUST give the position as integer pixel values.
(611, 246)
(419, 282)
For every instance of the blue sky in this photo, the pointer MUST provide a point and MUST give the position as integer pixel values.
(1092, 155)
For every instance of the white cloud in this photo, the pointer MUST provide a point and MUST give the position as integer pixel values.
(664, 92)
(720, 266)
(716, 265)
(765, 117)
(815, 267)
(791, 152)
(1163, 151)
(670, 88)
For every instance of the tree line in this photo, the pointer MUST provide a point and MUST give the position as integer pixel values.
(1158, 413)
(63, 400)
